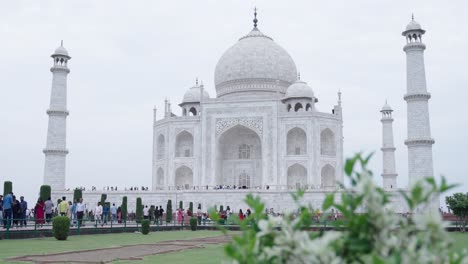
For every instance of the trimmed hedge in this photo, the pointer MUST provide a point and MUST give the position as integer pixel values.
(145, 226)
(181, 205)
(169, 211)
(124, 208)
(139, 210)
(45, 192)
(191, 207)
(103, 199)
(193, 223)
(77, 195)
(7, 187)
(61, 227)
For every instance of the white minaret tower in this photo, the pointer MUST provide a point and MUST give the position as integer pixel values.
(56, 151)
(419, 140)
(389, 174)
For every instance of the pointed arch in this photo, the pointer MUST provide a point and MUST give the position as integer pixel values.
(297, 107)
(327, 143)
(239, 157)
(328, 177)
(160, 178)
(297, 176)
(161, 147)
(193, 111)
(183, 177)
(296, 142)
(184, 144)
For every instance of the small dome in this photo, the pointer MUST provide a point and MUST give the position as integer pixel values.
(413, 25)
(193, 95)
(61, 51)
(386, 107)
(299, 89)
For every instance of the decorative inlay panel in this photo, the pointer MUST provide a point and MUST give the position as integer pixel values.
(254, 123)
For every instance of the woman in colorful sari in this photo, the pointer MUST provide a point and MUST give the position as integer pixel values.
(39, 212)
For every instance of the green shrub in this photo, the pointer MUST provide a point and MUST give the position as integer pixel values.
(145, 226)
(169, 211)
(181, 205)
(221, 209)
(7, 187)
(61, 227)
(191, 207)
(103, 199)
(139, 210)
(193, 223)
(124, 208)
(45, 192)
(77, 195)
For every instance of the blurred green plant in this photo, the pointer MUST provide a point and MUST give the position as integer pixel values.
(370, 231)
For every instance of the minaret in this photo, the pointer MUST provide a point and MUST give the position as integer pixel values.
(56, 151)
(419, 140)
(389, 174)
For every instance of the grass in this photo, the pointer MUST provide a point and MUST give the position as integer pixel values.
(209, 254)
(21, 247)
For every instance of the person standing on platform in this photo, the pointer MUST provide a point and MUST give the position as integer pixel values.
(63, 207)
(24, 207)
(39, 212)
(49, 209)
(80, 210)
(113, 211)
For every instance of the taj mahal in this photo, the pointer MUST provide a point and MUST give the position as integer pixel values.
(261, 133)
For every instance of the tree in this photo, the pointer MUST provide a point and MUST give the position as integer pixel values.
(45, 192)
(181, 205)
(124, 208)
(139, 210)
(7, 187)
(458, 204)
(191, 207)
(169, 211)
(77, 195)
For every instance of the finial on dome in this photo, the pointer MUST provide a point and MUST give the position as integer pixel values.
(298, 76)
(412, 16)
(196, 81)
(255, 17)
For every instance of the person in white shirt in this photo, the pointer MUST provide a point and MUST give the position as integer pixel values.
(98, 214)
(80, 209)
(146, 212)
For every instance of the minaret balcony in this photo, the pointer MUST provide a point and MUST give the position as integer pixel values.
(55, 151)
(59, 68)
(56, 112)
(414, 46)
(417, 97)
(419, 142)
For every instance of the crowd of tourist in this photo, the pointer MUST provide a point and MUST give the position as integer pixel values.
(113, 188)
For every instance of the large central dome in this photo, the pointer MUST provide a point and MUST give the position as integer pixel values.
(254, 66)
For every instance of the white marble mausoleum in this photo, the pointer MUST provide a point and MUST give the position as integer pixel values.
(260, 133)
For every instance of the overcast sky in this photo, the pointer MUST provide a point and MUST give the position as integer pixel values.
(127, 56)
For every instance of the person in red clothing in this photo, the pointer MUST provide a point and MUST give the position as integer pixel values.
(241, 215)
(39, 211)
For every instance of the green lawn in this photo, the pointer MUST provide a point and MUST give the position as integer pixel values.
(210, 254)
(21, 247)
